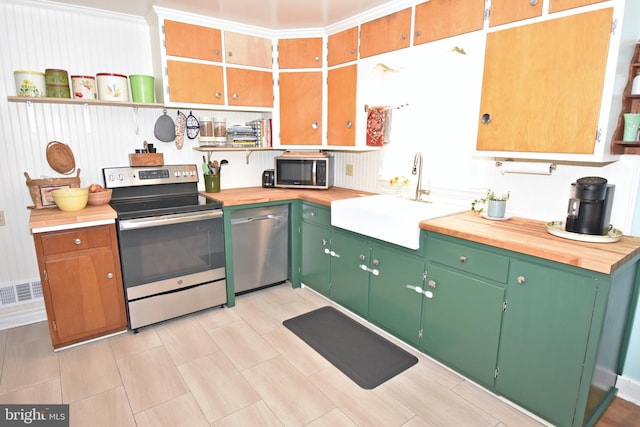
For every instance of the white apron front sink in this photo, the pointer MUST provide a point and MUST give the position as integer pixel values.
(391, 219)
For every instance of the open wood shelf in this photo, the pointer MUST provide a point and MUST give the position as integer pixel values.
(630, 104)
(83, 102)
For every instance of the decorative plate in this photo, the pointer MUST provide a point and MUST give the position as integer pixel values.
(557, 228)
(493, 218)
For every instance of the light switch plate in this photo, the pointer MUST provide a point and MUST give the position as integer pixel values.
(2, 218)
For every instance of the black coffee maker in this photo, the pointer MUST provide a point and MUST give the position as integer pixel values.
(590, 206)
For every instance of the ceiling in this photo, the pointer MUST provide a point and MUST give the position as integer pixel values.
(270, 14)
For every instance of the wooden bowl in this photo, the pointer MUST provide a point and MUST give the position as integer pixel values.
(99, 198)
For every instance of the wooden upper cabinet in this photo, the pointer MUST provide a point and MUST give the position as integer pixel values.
(301, 108)
(505, 11)
(540, 91)
(192, 41)
(341, 112)
(300, 53)
(559, 5)
(243, 49)
(343, 46)
(195, 82)
(250, 87)
(385, 34)
(439, 19)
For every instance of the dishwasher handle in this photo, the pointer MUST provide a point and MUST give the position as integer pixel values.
(256, 218)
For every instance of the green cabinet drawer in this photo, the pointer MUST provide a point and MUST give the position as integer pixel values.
(316, 214)
(463, 257)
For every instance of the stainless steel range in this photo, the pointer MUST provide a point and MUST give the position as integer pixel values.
(171, 242)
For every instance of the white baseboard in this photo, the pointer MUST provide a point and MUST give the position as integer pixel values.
(628, 389)
(25, 315)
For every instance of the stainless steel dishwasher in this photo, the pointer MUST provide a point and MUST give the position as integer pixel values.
(260, 239)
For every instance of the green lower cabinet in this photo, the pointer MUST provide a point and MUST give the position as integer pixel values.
(543, 344)
(349, 282)
(394, 304)
(461, 322)
(314, 260)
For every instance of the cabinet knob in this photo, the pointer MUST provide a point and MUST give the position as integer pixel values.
(403, 36)
(217, 51)
(463, 259)
(352, 51)
(348, 124)
(230, 53)
(486, 118)
(361, 258)
(109, 275)
(432, 284)
(521, 280)
(375, 263)
(317, 59)
(417, 33)
(235, 96)
(533, 2)
(77, 241)
(314, 125)
(218, 95)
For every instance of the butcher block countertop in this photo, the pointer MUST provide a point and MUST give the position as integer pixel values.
(248, 195)
(50, 219)
(530, 237)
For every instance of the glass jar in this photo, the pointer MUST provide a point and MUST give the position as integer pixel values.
(206, 131)
(220, 130)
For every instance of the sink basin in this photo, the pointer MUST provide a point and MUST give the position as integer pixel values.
(391, 219)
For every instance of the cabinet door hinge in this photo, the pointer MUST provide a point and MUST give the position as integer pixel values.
(46, 276)
(55, 327)
(487, 10)
(504, 306)
(614, 26)
(424, 276)
(496, 373)
(420, 334)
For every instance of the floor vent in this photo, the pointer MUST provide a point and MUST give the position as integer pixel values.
(20, 293)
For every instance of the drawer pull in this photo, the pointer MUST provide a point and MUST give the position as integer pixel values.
(521, 280)
(313, 214)
(463, 259)
(109, 275)
(77, 241)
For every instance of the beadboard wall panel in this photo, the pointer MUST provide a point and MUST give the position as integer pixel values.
(38, 35)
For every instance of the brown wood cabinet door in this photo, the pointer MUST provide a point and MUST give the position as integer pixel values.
(439, 19)
(385, 34)
(301, 108)
(250, 87)
(300, 53)
(343, 46)
(243, 49)
(341, 118)
(86, 295)
(541, 90)
(195, 83)
(192, 41)
(558, 5)
(505, 11)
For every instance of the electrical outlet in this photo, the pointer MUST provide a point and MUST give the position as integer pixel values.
(349, 170)
(2, 218)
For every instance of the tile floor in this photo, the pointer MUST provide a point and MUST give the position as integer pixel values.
(232, 367)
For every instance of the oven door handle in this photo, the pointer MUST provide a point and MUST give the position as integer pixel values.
(157, 221)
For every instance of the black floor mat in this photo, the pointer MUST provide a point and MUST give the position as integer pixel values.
(361, 354)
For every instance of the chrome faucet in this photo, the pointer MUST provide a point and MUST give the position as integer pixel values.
(417, 170)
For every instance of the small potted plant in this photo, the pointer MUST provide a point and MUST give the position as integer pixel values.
(496, 204)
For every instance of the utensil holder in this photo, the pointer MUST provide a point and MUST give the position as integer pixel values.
(212, 183)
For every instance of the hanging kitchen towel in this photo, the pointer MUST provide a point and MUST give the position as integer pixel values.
(376, 125)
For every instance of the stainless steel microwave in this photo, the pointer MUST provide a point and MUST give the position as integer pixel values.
(301, 171)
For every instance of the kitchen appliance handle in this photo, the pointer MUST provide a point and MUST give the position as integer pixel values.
(157, 221)
(256, 218)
